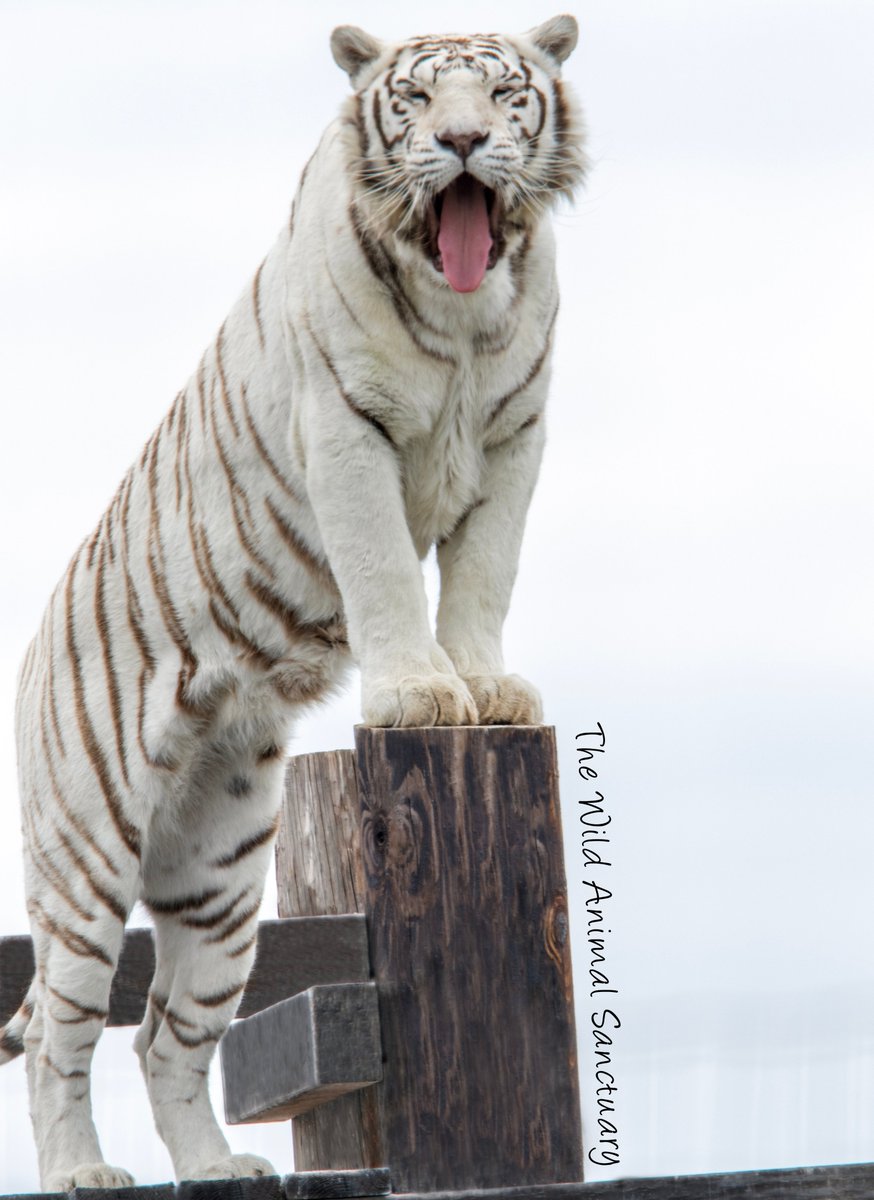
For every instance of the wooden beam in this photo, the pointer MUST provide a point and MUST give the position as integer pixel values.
(302, 1052)
(853, 1181)
(291, 956)
(318, 1185)
(319, 870)
(466, 907)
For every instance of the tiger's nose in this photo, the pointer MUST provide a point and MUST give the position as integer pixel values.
(461, 143)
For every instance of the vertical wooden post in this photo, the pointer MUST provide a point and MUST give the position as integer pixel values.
(464, 890)
(319, 873)
(466, 904)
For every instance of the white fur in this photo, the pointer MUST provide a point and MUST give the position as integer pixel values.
(328, 435)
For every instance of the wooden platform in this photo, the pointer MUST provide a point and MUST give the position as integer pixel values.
(851, 1182)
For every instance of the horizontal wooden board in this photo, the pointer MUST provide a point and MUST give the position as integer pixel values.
(847, 1182)
(302, 1052)
(292, 955)
(331, 1185)
(266, 1187)
(853, 1182)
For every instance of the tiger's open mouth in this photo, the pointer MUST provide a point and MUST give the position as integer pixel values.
(465, 235)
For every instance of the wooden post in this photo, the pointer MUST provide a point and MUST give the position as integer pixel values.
(318, 873)
(464, 891)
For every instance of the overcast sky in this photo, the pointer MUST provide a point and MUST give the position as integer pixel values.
(700, 541)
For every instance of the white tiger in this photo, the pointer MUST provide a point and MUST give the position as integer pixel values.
(377, 390)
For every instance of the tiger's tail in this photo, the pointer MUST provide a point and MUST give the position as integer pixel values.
(12, 1033)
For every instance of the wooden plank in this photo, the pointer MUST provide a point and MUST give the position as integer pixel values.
(467, 918)
(345, 1133)
(161, 1191)
(318, 861)
(265, 1187)
(292, 956)
(318, 870)
(331, 1185)
(16, 973)
(297, 954)
(302, 1052)
(853, 1182)
(127, 1000)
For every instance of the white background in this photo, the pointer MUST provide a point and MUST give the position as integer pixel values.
(697, 572)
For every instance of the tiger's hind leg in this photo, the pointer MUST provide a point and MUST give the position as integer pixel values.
(74, 970)
(203, 887)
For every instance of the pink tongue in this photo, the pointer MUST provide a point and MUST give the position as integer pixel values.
(464, 240)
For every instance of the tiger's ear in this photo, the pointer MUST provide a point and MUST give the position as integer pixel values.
(557, 36)
(353, 50)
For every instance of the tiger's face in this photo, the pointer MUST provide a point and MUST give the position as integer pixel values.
(462, 141)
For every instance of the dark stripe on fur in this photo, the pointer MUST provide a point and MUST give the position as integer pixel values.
(536, 368)
(50, 873)
(50, 675)
(264, 453)
(341, 297)
(294, 625)
(182, 903)
(223, 383)
(83, 831)
(256, 654)
(74, 942)
(113, 902)
(218, 998)
(316, 565)
(256, 303)
(385, 270)
(247, 847)
(353, 406)
(177, 1024)
(11, 1043)
(461, 520)
(210, 920)
(102, 621)
(86, 1012)
(240, 950)
(128, 832)
(238, 922)
(181, 445)
(239, 503)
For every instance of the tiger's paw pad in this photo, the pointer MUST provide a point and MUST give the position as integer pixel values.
(87, 1175)
(420, 700)
(505, 700)
(236, 1166)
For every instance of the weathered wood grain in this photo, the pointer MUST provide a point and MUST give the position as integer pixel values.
(318, 860)
(319, 870)
(849, 1182)
(345, 1134)
(331, 1185)
(266, 1187)
(294, 955)
(160, 1191)
(467, 918)
(855, 1182)
(299, 1053)
(291, 956)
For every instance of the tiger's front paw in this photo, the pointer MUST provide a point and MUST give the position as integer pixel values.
(417, 700)
(87, 1175)
(505, 700)
(235, 1166)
